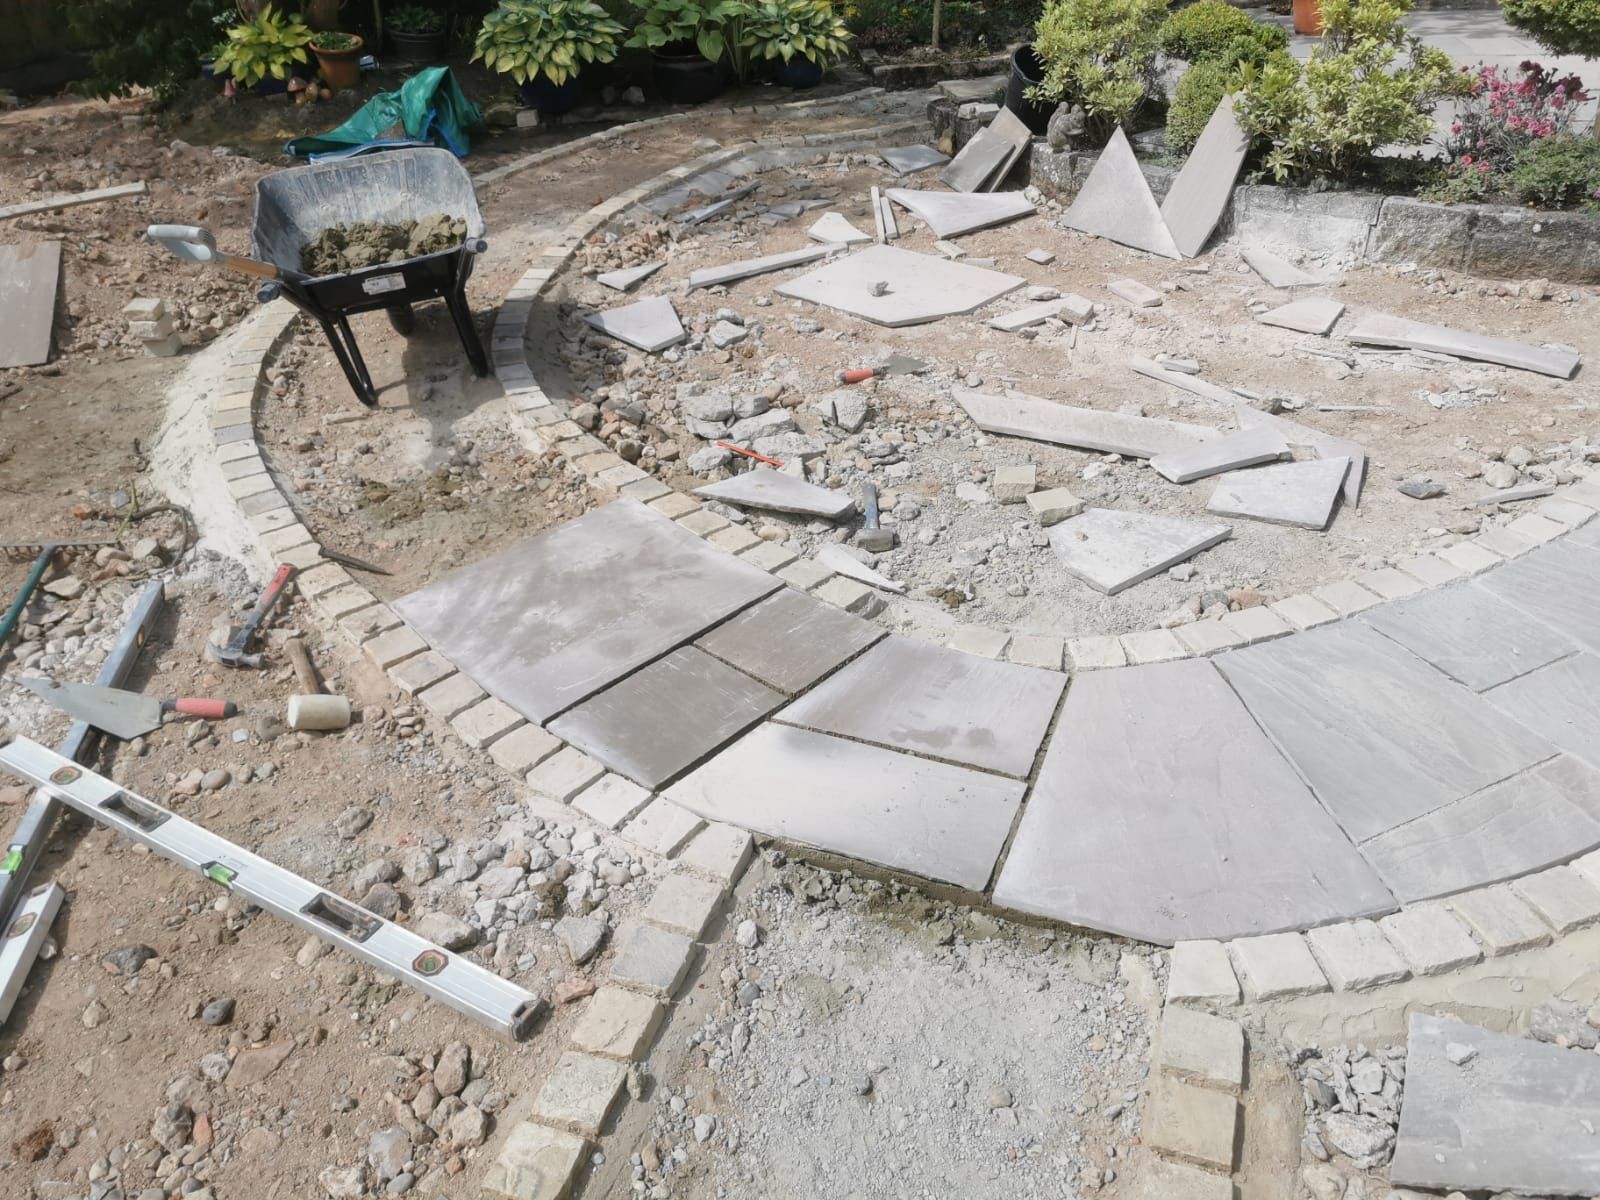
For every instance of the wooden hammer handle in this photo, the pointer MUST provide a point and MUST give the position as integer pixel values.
(295, 648)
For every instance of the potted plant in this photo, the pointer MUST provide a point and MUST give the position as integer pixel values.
(417, 33)
(1027, 73)
(688, 40)
(339, 56)
(798, 37)
(1308, 17)
(544, 44)
(263, 53)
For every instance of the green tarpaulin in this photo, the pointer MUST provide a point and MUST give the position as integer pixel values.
(429, 109)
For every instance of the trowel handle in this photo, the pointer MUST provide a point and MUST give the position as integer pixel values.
(197, 706)
(857, 374)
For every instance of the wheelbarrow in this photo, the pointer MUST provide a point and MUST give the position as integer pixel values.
(294, 206)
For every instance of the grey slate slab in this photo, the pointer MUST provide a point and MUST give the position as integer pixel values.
(1513, 495)
(1278, 272)
(1067, 308)
(555, 618)
(922, 287)
(1247, 448)
(1382, 329)
(1112, 550)
(624, 279)
(666, 717)
(733, 272)
(1292, 493)
(1558, 702)
(29, 275)
(931, 819)
(790, 640)
(1515, 1117)
(977, 161)
(913, 695)
(1536, 818)
(1086, 428)
(1007, 126)
(1556, 585)
(1184, 382)
(835, 229)
(1314, 314)
(1470, 634)
(699, 216)
(839, 560)
(1381, 737)
(648, 325)
(908, 160)
(1325, 444)
(951, 214)
(1115, 202)
(778, 491)
(1204, 186)
(1163, 813)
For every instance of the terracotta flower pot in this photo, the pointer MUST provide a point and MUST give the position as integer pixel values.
(1308, 17)
(341, 68)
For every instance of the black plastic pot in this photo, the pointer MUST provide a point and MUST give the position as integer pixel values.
(552, 99)
(797, 73)
(418, 47)
(1027, 70)
(685, 76)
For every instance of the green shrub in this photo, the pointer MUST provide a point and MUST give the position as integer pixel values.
(1198, 93)
(1565, 26)
(1100, 54)
(892, 25)
(1369, 83)
(1213, 29)
(136, 44)
(1559, 172)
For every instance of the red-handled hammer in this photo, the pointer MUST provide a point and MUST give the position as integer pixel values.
(236, 652)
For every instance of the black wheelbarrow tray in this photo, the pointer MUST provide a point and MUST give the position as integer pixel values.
(294, 206)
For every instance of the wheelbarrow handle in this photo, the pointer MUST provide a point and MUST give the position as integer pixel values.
(194, 244)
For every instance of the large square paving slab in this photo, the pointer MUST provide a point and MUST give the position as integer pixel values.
(666, 717)
(1555, 584)
(1163, 813)
(556, 618)
(1293, 493)
(1111, 550)
(790, 640)
(1470, 634)
(930, 819)
(915, 696)
(1560, 703)
(1514, 1117)
(1381, 737)
(919, 287)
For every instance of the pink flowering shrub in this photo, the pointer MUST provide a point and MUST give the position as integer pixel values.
(1501, 115)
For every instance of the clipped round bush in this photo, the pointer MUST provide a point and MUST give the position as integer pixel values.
(1559, 172)
(1565, 26)
(1213, 29)
(1100, 54)
(1198, 93)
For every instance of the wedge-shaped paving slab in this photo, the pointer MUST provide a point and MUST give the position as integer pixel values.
(1381, 737)
(1278, 272)
(951, 214)
(1556, 585)
(835, 229)
(624, 279)
(1112, 550)
(1513, 1117)
(1293, 493)
(733, 272)
(1204, 186)
(648, 325)
(1314, 314)
(840, 561)
(556, 618)
(790, 640)
(916, 696)
(1382, 329)
(1541, 816)
(1085, 428)
(1247, 448)
(1115, 203)
(1163, 813)
(665, 718)
(1325, 445)
(1471, 635)
(908, 160)
(921, 287)
(777, 491)
(1558, 703)
(880, 806)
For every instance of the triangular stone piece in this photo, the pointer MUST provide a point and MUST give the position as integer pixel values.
(778, 492)
(1115, 203)
(623, 280)
(1201, 192)
(839, 560)
(836, 228)
(1111, 550)
(950, 214)
(1293, 493)
(648, 325)
(1326, 445)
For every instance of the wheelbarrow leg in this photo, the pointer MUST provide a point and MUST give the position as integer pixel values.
(468, 332)
(349, 356)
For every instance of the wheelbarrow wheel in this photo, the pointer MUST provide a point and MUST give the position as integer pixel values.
(402, 319)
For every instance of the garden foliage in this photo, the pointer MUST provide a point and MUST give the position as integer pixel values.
(1100, 54)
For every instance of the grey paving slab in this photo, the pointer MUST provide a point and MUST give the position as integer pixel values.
(790, 640)
(667, 716)
(1112, 550)
(1247, 448)
(1204, 186)
(1278, 272)
(1381, 737)
(1086, 428)
(1326, 445)
(1067, 308)
(840, 561)
(1131, 291)
(931, 819)
(778, 491)
(1162, 812)
(1293, 493)
(30, 273)
(835, 228)
(1513, 1116)
(1538, 817)
(624, 279)
(557, 617)
(913, 695)
(1382, 329)
(1314, 314)
(1560, 702)
(1115, 203)
(1470, 634)
(921, 287)
(951, 214)
(1008, 127)
(977, 161)
(699, 216)
(649, 325)
(1554, 584)
(767, 263)
(908, 160)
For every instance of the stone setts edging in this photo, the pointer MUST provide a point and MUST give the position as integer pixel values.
(1193, 1106)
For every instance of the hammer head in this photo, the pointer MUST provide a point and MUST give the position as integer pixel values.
(232, 654)
(875, 540)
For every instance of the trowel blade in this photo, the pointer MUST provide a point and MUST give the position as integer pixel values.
(120, 713)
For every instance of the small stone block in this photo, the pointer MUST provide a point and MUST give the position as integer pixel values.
(1207, 637)
(1201, 973)
(1469, 556)
(579, 1093)
(618, 1024)
(1135, 293)
(1014, 484)
(645, 490)
(651, 960)
(735, 539)
(1036, 650)
(1390, 583)
(1096, 653)
(1430, 939)
(423, 670)
(1276, 966)
(165, 347)
(1565, 899)
(1564, 512)
(1345, 597)
(1303, 611)
(486, 722)
(341, 602)
(1536, 529)
(769, 556)
(685, 904)
(1202, 1049)
(720, 852)
(451, 696)
(145, 308)
(152, 331)
(704, 522)
(388, 649)
(564, 774)
(985, 643)
(1162, 1180)
(1500, 920)
(1356, 955)
(536, 1163)
(287, 538)
(325, 578)
(804, 574)
(675, 505)
(611, 800)
(1258, 624)
(367, 623)
(1503, 542)
(1193, 1125)
(663, 827)
(1053, 505)
(523, 749)
(1152, 646)
(1432, 570)
(851, 595)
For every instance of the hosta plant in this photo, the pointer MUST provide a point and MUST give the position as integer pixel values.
(553, 38)
(702, 24)
(268, 45)
(786, 28)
